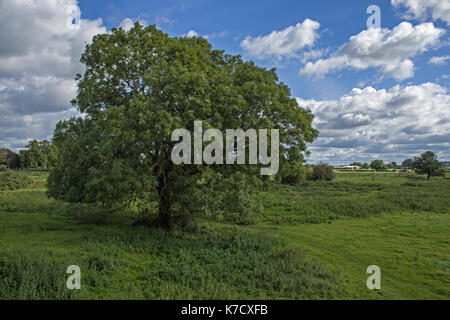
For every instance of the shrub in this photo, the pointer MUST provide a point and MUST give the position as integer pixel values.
(322, 172)
(10, 180)
(294, 175)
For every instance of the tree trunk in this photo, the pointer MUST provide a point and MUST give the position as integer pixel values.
(164, 219)
(164, 211)
(428, 175)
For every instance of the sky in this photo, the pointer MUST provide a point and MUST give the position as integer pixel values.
(377, 92)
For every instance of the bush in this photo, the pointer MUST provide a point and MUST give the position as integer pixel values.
(294, 175)
(321, 172)
(10, 180)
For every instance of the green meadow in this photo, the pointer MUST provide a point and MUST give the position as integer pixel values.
(314, 240)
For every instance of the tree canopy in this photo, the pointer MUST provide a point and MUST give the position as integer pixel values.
(37, 155)
(378, 165)
(141, 85)
(428, 164)
(407, 163)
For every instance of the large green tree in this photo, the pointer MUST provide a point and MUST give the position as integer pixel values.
(141, 85)
(428, 164)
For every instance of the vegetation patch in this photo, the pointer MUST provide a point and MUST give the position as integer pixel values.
(10, 180)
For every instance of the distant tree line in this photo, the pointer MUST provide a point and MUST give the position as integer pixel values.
(40, 155)
(426, 163)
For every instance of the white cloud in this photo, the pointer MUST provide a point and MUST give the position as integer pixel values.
(190, 34)
(216, 35)
(312, 55)
(284, 43)
(128, 23)
(389, 50)
(39, 58)
(389, 124)
(419, 9)
(439, 60)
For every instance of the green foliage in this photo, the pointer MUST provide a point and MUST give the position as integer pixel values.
(365, 165)
(293, 175)
(14, 162)
(141, 85)
(38, 155)
(313, 241)
(378, 165)
(220, 198)
(10, 180)
(428, 164)
(8, 158)
(3, 156)
(352, 195)
(407, 163)
(322, 171)
(27, 274)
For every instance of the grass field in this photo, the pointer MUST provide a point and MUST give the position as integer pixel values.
(314, 241)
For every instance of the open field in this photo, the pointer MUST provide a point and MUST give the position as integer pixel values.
(314, 241)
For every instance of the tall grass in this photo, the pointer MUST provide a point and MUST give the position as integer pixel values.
(41, 237)
(355, 195)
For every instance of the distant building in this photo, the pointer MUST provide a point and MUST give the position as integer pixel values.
(348, 167)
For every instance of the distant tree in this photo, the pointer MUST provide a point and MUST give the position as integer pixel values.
(14, 162)
(378, 165)
(394, 165)
(359, 164)
(4, 156)
(38, 155)
(428, 164)
(48, 150)
(407, 163)
(7, 157)
(365, 165)
(391, 165)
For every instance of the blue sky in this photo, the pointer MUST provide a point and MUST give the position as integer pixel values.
(232, 21)
(378, 93)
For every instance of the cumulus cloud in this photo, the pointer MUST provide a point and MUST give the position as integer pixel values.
(283, 43)
(439, 60)
(42, 42)
(420, 9)
(191, 34)
(128, 23)
(389, 50)
(389, 124)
